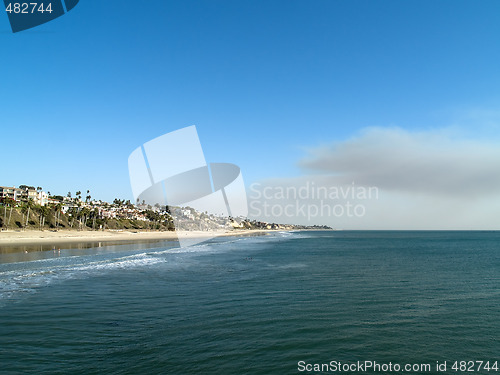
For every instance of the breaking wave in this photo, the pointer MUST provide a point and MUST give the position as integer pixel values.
(26, 277)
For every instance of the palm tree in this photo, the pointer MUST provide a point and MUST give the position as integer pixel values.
(94, 216)
(12, 204)
(73, 213)
(29, 204)
(84, 213)
(57, 214)
(4, 212)
(44, 212)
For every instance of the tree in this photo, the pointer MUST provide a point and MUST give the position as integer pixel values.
(11, 203)
(30, 205)
(57, 214)
(4, 212)
(73, 212)
(95, 213)
(118, 202)
(44, 212)
(84, 213)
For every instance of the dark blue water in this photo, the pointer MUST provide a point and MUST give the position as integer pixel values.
(254, 305)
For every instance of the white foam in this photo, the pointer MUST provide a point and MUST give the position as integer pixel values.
(27, 277)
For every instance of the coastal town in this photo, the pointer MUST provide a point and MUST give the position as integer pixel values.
(31, 208)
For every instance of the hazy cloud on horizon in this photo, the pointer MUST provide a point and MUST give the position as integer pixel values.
(431, 179)
(397, 160)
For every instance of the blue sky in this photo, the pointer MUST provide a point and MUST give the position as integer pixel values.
(263, 81)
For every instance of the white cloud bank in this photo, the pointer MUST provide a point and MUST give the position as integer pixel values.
(425, 180)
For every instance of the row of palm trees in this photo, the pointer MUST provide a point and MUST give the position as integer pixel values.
(44, 212)
(83, 217)
(78, 195)
(27, 209)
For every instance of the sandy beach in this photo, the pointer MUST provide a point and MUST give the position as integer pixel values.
(61, 237)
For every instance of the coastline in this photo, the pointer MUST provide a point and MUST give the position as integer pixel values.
(12, 239)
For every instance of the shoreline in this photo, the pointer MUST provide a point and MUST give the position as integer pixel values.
(13, 239)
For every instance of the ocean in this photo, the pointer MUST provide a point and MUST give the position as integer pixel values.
(285, 303)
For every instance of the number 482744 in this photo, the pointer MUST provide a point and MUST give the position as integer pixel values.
(472, 366)
(25, 8)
